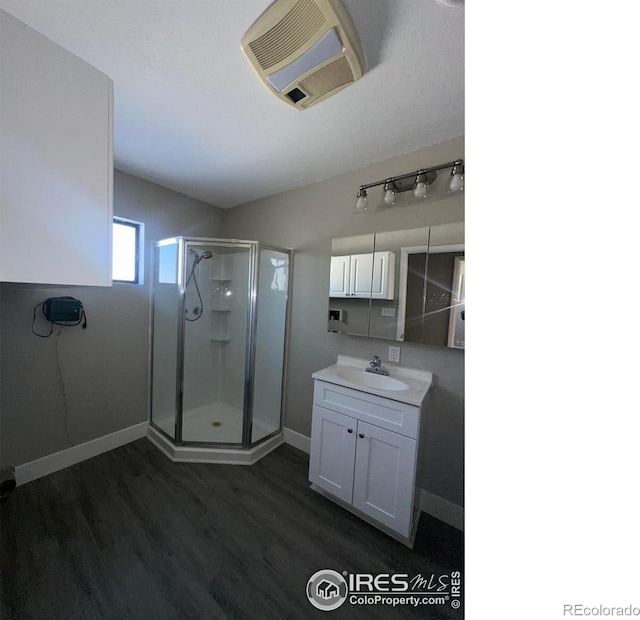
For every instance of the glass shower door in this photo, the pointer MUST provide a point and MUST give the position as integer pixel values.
(272, 291)
(167, 307)
(216, 319)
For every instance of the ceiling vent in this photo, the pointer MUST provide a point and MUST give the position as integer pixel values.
(304, 50)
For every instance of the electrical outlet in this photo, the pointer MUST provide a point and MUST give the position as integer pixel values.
(394, 354)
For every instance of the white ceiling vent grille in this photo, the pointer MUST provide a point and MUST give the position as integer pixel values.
(304, 50)
(325, 80)
(288, 35)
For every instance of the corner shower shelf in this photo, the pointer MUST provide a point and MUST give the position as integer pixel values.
(220, 294)
(219, 325)
(219, 310)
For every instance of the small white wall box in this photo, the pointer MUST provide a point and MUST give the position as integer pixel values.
(304, 50)
(335, 314)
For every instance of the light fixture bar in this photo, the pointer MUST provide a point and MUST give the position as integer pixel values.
(425, 171)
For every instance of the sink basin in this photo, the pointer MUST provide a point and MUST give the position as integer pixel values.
(406, 385)
(368, 379)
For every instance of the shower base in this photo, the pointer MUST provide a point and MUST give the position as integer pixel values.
(215, 423)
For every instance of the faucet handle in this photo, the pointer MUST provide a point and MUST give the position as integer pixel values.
(376, 361)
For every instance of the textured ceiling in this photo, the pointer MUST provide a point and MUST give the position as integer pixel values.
(191, 115)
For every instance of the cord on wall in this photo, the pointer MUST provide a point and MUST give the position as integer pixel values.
(64, 389)
(63, 312)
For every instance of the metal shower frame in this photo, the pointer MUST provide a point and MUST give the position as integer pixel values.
(254, 247)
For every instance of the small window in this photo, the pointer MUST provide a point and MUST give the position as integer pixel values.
(128, 241)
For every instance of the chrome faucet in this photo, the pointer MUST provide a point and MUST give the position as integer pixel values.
(375, 366)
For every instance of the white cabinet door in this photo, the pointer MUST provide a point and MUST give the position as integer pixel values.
(363, 276)
(383, 276)
(361, 272)
(56, 162)
(373, 275)
(333, 444)
(383, 484)
(339, 278)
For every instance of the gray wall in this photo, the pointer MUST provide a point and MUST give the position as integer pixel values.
(105, 367)
(306, 219)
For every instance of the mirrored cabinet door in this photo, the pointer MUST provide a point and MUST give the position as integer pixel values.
(443, 323)
(350, 282)
(388, 314)
(404, 285)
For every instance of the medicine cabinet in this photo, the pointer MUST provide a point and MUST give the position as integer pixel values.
(404, 285)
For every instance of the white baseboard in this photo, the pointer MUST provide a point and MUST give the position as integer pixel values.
(297, 440)
(442, 509)
(215, 456)
(59, 460)
(436, 506)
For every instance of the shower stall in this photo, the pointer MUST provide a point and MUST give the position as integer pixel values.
(219, 328)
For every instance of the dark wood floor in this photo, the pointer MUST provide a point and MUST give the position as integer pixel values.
(129, 534)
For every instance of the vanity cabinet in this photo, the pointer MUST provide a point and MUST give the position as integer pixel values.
(364, 452)
(56, 162)
(366, 276)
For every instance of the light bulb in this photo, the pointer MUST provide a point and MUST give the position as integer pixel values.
(361, 202)
(389, 193)
(456, 180)
(420, 188)
(389, 197)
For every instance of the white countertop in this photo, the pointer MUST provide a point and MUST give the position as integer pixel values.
(419, 381)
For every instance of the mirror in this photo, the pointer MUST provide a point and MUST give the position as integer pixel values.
(388, 316)
(350, 284)
(442, 298)
(409, 287)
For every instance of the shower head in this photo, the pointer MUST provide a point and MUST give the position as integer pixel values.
(200, 257)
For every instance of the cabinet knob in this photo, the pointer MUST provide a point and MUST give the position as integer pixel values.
(361, 435)
(349, 430)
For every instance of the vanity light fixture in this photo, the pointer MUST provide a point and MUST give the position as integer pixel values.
(418, 181)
